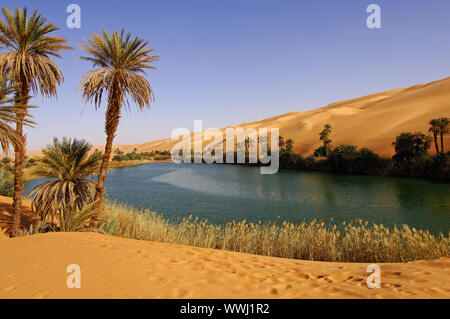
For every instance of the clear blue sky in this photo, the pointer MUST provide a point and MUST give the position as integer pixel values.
(231, 61)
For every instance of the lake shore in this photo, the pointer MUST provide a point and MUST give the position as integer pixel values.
(114, 267)
(112, 164)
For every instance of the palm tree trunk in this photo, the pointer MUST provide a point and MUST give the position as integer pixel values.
(436, 143)
(21, 99)
(19, 151)
(112, 119)
(442, 141)
(100, 189)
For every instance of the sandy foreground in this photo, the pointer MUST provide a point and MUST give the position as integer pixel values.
(111, 267)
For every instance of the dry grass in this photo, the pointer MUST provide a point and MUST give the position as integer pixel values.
(349, 242)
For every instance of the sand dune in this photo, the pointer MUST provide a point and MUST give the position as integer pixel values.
(370, 121)
(35, 267)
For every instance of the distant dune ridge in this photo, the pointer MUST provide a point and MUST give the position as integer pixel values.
(371, 121)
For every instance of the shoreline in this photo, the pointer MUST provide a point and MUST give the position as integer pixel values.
(113, 164)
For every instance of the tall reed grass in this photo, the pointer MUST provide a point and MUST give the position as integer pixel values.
(356, 241)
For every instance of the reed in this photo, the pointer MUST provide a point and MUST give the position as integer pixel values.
(356, 241)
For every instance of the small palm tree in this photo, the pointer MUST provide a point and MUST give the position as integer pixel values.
(29, 47)
(444, 128)
(69, 167)
(281, 143)
(289, 145)
(325, 134)
(434, 128)
(120, 65)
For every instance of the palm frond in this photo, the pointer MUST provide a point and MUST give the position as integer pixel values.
(120, 64)
(29, 48)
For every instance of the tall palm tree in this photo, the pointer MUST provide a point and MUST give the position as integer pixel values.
(29, 46)
(120, 63)
(434, 128)
(444, 128)
(69, 166)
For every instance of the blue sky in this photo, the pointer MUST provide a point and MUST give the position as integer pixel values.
(231, 61)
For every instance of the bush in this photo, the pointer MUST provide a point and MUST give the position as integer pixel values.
(6, 184)
(411, 148)
(289, 159)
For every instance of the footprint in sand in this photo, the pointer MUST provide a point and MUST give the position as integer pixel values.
(9, 288)
(180, 293)
(390, 285)
(303, 275)
(42, 295)
(282, 286)
(272, 291)
(158, 279)
(332, 290)
(390, 273)
(339, 277)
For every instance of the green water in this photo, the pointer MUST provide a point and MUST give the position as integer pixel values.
(224, 192)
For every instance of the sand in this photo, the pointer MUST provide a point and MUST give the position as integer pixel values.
(371, 121)
(111, 267)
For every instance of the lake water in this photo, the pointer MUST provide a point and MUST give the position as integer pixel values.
(225, 192)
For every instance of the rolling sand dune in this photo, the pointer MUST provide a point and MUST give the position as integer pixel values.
(370, 121)
(111, 267)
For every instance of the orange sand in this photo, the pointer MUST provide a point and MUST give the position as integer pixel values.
(111, 267)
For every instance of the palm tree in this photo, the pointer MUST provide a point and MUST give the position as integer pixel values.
(289, 145)
(7, 116)
(434, 128)
(121, 63)
(69, 166)
(444, 128)
(27, 60)
(325, 134)
(281, 143)
(410, 147)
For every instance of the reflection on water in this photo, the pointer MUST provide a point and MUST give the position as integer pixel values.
(224, 192)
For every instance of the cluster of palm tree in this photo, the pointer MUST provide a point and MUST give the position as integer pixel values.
(287, 145)
(27, 47)
(439, 126)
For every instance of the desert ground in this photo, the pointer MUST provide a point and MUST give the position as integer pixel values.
(112, 267)
(371, 121)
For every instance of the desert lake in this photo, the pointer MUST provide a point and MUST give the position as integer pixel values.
(223, 192)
